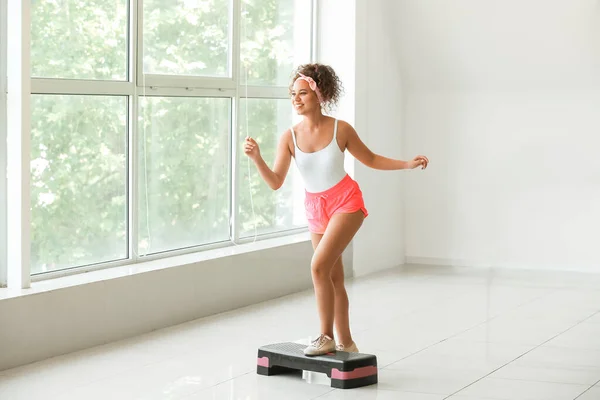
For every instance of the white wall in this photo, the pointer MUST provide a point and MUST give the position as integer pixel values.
(336, 47)
(3, 155)
(504, 97)
(356, 39)
(498, 45)
(379, 99)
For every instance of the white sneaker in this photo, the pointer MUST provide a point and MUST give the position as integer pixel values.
(321, 345)
(350, 349)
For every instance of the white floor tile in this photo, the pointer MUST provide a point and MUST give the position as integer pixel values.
(582, 336)
(256, 387)
(42, 379)
(592, 394)
(505, 389)
(459, 397)
(580, 304)
(576, 375)
(594, 319)
(171, 378)
(547, 356)
(373, 393)
(515, 331)
(435, 380)
(387, 357)
(464, 354)
(547, 309)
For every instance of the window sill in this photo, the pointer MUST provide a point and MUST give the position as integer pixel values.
(153, 265)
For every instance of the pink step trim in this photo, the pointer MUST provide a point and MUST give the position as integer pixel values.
(263, 361)
(357, 373)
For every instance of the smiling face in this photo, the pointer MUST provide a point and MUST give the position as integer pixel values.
(304, 99)
(325, 83)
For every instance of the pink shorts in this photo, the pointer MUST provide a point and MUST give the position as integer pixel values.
(344, 197)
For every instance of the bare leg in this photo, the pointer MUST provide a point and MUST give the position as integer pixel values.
(340, 231)
(341, 319)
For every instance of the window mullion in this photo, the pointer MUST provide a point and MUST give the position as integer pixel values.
(80, 87)
(138, 23)
(314, 42)
(235, 32)
(135, 21)
(18, 139)
(3, 149)
(185, 82)
(234, 175)
(181, 92)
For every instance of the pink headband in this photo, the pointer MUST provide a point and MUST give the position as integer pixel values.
(312, 84)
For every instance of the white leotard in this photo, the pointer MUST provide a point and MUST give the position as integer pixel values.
(322, 169)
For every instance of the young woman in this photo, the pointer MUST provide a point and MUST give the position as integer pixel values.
(334, 204)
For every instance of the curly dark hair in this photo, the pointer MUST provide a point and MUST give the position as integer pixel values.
(327, 80)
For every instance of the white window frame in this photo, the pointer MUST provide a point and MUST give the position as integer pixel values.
(3, 152)
(18, 139)
(138, 85)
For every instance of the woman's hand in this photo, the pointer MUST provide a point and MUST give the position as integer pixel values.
(251, 149)
(418, 161)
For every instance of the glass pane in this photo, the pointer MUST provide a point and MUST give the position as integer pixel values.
(184, 172)
(186, 37)
(267, 210)
(276, 37)
(79, 39)
(78, 180)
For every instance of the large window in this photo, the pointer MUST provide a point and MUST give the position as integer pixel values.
(139, 109)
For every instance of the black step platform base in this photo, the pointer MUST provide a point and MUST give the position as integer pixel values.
(346, 370)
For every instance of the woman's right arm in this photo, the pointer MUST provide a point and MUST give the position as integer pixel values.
(283, 158)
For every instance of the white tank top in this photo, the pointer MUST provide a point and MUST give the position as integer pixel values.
(322, 169)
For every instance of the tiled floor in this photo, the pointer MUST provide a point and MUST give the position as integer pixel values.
(438, 333)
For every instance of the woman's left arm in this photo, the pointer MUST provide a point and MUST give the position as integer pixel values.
(362, 153)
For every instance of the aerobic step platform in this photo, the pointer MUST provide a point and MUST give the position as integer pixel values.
(346, 370)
